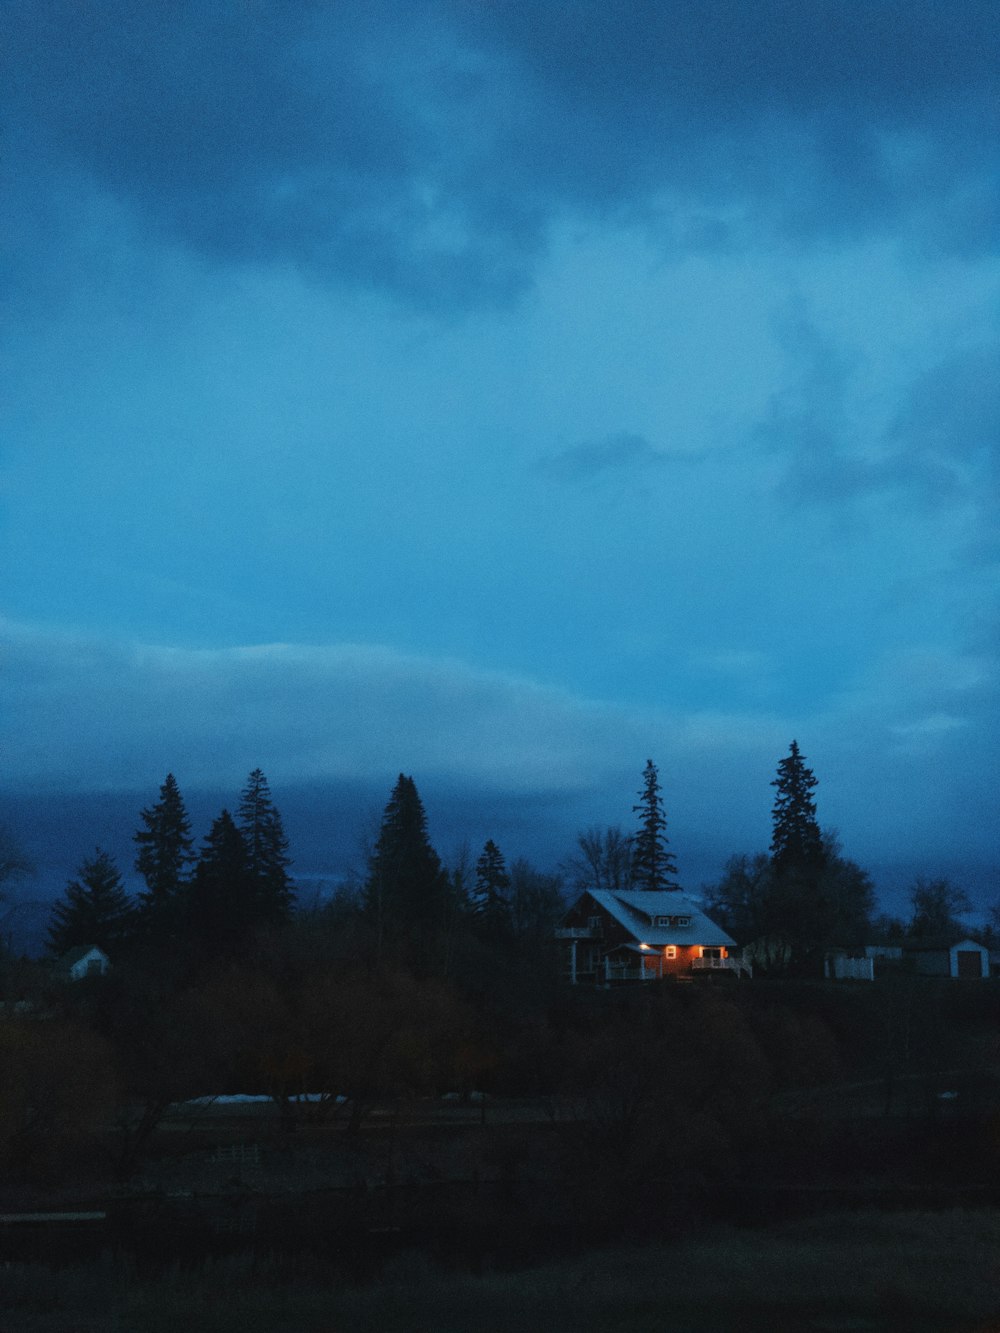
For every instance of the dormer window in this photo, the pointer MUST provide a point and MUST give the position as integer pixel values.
(661, 921)
(682, 921)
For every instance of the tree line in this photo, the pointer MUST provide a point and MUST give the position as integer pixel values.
(792, 904)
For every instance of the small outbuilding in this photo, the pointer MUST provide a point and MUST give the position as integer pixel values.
(86, 960)
(962, 960)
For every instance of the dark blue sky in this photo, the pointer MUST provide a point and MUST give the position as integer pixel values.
(505, 394)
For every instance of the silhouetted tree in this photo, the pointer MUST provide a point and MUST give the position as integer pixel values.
(164, 859)
(845, 898)
(796, 843)
(222, 906)
(741, 902)
(407, 886)
(491, 902)
(794, 917)
(536, 902)
(604, 859)
(266, 846)
(937, 905)
(95, 910)
(653, 866)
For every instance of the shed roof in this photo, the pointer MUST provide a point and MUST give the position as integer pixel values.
(79, 952)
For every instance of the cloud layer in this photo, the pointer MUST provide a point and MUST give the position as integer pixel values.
(93, 714)
(427, 149)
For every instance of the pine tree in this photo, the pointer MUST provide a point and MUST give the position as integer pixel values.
(796, 844)
(165, 856)
(491, 904)
(266, 846)
(653, 866)
(406, 886)
(96, 910)
(221, 901)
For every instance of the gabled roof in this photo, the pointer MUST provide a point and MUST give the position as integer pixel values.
(637, 912)
(79, 952)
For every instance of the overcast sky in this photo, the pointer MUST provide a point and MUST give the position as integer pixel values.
(506, 393)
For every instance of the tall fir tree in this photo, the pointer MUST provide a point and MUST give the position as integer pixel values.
(164, 858)
(407, 886)
(266, 845)
(95, 910)
(796, 843)
(221, 904)
(492, 899)
(653, 865)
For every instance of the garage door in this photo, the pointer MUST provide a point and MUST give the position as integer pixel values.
(969, 963)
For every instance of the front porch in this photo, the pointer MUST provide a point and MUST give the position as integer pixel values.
(740, 966)
(590, 966)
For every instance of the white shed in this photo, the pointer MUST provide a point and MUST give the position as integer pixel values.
(87, 960)
(962, 960)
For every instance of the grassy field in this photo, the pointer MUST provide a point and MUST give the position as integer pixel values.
(847, 1273)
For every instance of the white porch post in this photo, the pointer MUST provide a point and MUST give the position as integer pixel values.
(572, 962)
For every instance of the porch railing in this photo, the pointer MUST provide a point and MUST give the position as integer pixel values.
(738, 965)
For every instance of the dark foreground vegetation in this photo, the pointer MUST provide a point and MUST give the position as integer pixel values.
(449, 1137)
(919, 1272)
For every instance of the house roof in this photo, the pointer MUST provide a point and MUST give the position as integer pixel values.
(638, 911)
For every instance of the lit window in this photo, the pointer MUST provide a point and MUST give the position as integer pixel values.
(670, 951)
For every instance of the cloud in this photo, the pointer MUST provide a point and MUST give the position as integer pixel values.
(88, 714)
(937, 448)
(617, 454)
(426, 149)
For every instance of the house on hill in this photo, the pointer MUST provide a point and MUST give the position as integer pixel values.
(643, 936)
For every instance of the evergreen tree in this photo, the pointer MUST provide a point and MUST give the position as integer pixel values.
(96, 910)
(165, 855)
(796, 844)
(266, 847)
(653, 866)
(492, 903)
(222, 903)
(407, 887)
